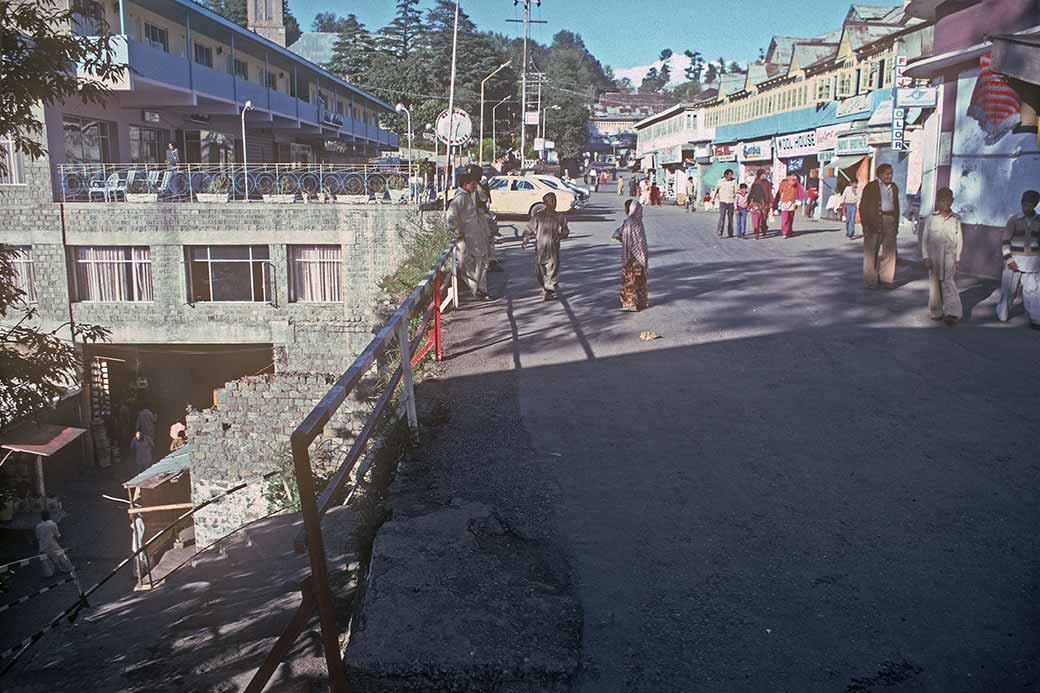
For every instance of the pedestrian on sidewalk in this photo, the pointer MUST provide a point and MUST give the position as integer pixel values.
(850, 203)
(879, 213)
(547, 227)
(1021, 247)
(468, 222)
(635, 264)
(760, 199)
(691, 195)
(644, 189)
(788, 196)
(726, 196)
(655, 195)
(620, 186)
(941, 245)
(47, 536)
(742, 210)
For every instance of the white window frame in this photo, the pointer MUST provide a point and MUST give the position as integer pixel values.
(162, 40)
(25, 272)
(14, 160)
(128, 260)
(266, 275)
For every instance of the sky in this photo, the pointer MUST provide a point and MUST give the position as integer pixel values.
(627, 34)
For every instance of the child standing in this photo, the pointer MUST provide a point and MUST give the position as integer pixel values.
(742, 209)
(941, 251)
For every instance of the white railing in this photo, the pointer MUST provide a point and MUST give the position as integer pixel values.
(226, 182)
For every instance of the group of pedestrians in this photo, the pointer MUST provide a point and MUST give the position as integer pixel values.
(738, 202)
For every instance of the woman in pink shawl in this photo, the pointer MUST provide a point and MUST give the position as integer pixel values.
(634, 263)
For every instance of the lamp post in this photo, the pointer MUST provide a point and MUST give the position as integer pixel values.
(482, 83)
(436, 164)
(494, 138)
(451, 90)
(247, 106)
(401, 109)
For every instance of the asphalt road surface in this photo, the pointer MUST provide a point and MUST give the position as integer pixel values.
(801, 486)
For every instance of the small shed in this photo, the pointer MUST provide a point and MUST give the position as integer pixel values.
(36, 441)
(158, 496)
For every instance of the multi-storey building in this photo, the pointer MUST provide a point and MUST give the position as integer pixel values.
(183, 260)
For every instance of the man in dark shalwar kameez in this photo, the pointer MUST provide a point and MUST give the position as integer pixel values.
(547, 227)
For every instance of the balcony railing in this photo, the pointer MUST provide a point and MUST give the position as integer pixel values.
(227, 182)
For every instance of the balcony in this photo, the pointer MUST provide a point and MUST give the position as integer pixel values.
(213, 82)
(282, 104)
(251, 91)
(155, 64)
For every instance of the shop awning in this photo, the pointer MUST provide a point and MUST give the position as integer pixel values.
(841, 163)
(928, 67)
(1018, 55)
(169, 467)
(39, 439)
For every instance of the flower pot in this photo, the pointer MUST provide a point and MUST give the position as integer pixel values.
(279, 198)
(142, 197)
(211, 197)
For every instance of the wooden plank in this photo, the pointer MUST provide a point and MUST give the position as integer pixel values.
(156, 508)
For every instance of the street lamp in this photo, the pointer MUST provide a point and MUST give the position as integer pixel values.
(494, 137)
(401, 109)
(436, 164)
(482, 83)
(247, 106)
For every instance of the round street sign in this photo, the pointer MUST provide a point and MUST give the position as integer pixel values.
(460, 124)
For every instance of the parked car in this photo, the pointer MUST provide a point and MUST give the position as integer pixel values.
(559, 184)
(519, 195)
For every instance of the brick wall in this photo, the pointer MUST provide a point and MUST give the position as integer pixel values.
(247, 434)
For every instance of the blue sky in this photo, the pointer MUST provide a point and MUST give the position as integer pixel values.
(628, 33)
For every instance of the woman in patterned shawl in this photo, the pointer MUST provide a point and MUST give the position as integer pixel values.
(634, 263)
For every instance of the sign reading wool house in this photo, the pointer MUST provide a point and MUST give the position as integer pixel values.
(798, 144)
(761, 150)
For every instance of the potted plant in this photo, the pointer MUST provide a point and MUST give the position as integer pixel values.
(219, 186)
(137, 188)
(286, 194)
(8, 499)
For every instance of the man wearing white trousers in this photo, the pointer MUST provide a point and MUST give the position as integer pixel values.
(1021, 248)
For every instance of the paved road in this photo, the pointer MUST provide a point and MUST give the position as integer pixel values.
(802, 486)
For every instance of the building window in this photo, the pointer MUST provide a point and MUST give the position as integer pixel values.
(885, 69)
(88, 141)
(146, 145)
(241, 69)
(203, 55)
(24, 272)
(12, 164)
(113, 273)
(208, 147)
(156, 38)
(229, 273)
(314, 273)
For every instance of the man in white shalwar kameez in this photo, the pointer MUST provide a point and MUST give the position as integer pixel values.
(941, 246)
(1021, 248)
(469, 223)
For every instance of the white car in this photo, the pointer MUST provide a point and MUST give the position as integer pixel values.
(561, 184)
(519, 195)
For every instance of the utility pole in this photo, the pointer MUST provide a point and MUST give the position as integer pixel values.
(526, 21)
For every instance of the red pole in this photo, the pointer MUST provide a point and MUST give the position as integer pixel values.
(438, 353)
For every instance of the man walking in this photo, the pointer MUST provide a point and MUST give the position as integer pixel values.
(469, 223)
(879, 213)
(547, 227)
(1021, 249)
(691, 195)
(726, 196)
(850, 203)
(760, 201)
(788, 197)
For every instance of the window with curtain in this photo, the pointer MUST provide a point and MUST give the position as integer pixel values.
(12, 164)
(314, 273)
(229, 273)
(113, 273)
(24, 272)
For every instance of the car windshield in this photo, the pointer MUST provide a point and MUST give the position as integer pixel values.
(551, 183)
(496, 183)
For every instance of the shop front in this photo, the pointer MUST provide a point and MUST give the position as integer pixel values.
(723, 156)
(675, 163)
(798, 153)
(753, 157)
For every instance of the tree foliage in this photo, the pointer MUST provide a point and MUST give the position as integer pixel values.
(328, 22)
(36, 366)
(353, 51)
(39, 55)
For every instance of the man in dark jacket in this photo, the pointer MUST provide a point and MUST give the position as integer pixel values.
(879, 212)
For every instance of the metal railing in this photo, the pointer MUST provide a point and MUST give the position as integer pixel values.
(225, 182)
(317, 593)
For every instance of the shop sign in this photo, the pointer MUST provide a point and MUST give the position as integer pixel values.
(898, 128)
(901, 80)
(854, 105)
(755, 151)
(853, 144)
(336, 146)
(827, 137)
(702, 151)
(799, 144)
(826, 156)
(878, 137)
(724, 152)
(671, 155)
(917, 97)
(882, 115)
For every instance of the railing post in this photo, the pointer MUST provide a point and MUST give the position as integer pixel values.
(319, 568)
(408, 382)
(454, 279)
(437, 353)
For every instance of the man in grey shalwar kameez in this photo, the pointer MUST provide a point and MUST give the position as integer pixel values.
(470, 225)
(547, 227)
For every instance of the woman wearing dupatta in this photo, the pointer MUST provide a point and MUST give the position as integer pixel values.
(634, 263)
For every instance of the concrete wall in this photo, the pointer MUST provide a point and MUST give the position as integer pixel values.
(247, 434)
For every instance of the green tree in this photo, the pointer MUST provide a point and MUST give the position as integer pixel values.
(292, 27)
(38, 50)
(353, 51)
(328, 23)
(402, 35)
(711, 74)
(734, 67)
(695, 70)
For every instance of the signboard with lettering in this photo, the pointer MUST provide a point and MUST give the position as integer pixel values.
(670, 155)
(917, 97)
(900, 67)
(852, 144)
(853, 105)
(798, 144)
(725, 152)
(827, 137)
(762, 150)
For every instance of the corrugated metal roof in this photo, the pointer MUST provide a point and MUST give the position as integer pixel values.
(168, 467)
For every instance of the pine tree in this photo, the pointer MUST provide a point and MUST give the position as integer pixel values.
(353, 51)
(401, 36)
(696, 67)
